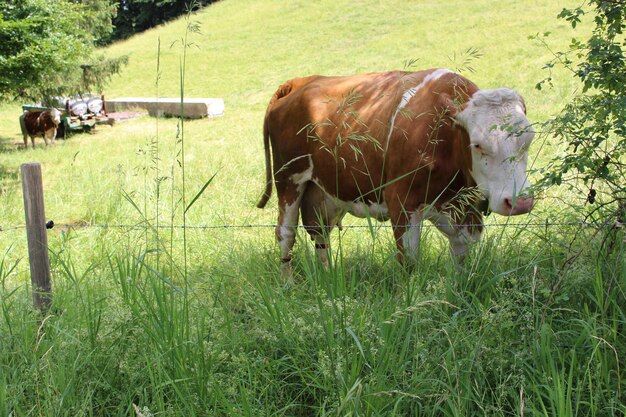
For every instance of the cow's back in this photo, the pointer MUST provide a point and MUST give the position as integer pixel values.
(342, 122)
(358, 127)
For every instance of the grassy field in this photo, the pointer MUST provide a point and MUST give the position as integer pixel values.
(149, 320)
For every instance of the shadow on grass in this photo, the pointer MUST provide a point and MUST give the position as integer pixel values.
(9, 144)
(9, 176)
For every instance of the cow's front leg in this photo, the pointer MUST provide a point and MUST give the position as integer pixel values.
(461, 241)
(411, 237)
(407, 230)
(49, 136)
(461, 235)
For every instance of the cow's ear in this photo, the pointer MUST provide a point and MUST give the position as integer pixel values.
(523, 103)
(452, 108)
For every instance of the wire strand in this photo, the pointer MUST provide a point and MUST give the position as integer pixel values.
(544, 224)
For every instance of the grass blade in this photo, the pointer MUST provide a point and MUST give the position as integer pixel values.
(204, 187)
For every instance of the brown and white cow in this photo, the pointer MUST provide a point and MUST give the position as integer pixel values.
(395, 145)
(40, 123)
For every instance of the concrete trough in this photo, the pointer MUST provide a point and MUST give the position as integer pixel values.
(192, 108)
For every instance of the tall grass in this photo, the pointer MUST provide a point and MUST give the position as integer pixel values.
(494, 340)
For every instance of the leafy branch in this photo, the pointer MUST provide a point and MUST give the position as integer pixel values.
(593, 125)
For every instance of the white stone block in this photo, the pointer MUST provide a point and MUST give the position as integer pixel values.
(192, 108)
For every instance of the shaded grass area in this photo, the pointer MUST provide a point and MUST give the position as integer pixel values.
(512, 334)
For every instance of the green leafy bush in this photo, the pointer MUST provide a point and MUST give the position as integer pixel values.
(46, 49)
(593, 124)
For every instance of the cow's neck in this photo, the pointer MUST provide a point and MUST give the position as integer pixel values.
(463, 157)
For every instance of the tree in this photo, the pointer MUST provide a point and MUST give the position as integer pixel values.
(97, 18)
(593, 124)
(45, 44)
(138, 15)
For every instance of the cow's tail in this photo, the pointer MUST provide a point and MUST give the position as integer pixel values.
(268, 166)
(282, 91)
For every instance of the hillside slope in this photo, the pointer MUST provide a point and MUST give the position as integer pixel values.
(246, 48)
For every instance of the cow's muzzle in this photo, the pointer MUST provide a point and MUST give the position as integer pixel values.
(521, 205)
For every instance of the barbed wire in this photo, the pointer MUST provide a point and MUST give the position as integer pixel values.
(543, 224)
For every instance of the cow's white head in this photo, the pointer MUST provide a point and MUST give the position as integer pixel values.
(500, 135)
(56, 116)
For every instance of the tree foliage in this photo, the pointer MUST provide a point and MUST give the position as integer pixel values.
(97, 18)
(39, 41)
(593, 124)
(45, 45)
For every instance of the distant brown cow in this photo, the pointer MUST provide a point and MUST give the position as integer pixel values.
(397, 145)
(40, 123)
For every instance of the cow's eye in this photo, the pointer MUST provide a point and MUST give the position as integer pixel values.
(479, 149)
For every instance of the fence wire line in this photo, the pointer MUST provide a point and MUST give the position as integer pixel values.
(544, 224)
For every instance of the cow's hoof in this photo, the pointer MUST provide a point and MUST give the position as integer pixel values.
(286, 273)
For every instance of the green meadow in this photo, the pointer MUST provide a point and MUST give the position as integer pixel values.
(165, 304)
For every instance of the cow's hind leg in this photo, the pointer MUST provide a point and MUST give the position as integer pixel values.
(289, 198)
(24, 130)
(291, 179)
(319, 215)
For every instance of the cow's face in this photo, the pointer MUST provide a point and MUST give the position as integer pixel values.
(56, 116)
(500, 135)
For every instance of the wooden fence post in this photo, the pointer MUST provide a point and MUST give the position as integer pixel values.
(32, 186)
